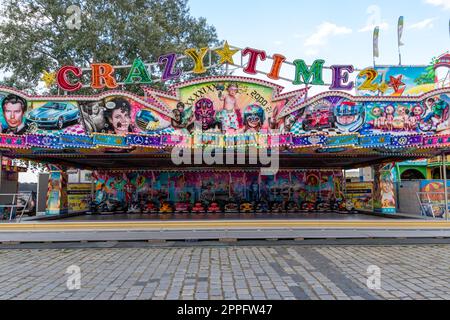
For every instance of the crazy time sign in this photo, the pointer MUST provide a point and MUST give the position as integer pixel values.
(68, 78)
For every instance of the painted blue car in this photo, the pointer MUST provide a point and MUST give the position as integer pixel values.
(54, 115)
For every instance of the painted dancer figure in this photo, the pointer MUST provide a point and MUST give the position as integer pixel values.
(230, 115)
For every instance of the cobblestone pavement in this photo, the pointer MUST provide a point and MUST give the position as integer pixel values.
(228, 272)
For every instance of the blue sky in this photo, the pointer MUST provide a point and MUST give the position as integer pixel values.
(337, 31)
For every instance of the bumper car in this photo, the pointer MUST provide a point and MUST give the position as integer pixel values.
(323, 206)
(307, 206)
(113, 205)
(198, 208)
(262, 207)
(134, 208)
(150, 208)
(277, 207)
(231, 208)
(166, 208)
(182, 207)
(246, 207)
(214, 208)
(292, 207)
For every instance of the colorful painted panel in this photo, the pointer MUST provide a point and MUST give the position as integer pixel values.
(78, 197)
(360, 193)
(395, 81)
(337, 114)
(228, 107)
(55, 117)
(13, 118)
(121, 115)
(432, 197)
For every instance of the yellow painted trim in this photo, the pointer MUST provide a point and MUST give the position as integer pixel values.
(224, 224)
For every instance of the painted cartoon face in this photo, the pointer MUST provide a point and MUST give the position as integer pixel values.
(13, 113)
(376, 112)
(120, 121)
(254, 116)
(204, 112)
(232, 90)
(345, 120)
(417, 110)
(253, 121)
(349, 116)
(401, 110)
(390, 110)
(429, 103)
(177, 114)
(95, 109)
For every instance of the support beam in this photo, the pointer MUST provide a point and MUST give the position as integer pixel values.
(444, 171)
(383, 189)
(57, 191)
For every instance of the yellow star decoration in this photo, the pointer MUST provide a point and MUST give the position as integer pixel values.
(49, 78)
(226, 54)
(383, 87)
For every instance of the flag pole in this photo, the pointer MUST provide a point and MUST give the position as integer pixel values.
(399, 38)
(375, 50)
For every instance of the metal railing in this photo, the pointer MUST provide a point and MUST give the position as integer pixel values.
(19, 202)
(432, 204)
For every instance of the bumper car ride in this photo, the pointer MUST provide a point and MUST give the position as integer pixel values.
(182, 207)
(198, 208)
(214, 208)
(231, 208)
(262, 207)
(246, 207)
(277, 207)
(292, 207)
(166, 208)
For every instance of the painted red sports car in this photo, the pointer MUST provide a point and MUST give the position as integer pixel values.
(317, 120)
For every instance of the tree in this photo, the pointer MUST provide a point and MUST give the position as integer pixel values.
(37, 35)
(428, 76)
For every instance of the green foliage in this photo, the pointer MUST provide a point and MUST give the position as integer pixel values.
(428, 76)
(34, 35)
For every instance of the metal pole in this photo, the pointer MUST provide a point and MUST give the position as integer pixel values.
(345, 183)
(444, 169)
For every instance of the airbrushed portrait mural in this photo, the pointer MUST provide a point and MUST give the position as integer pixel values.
(334, 114)
(120, 115)
(13, 120)
(341, 115)
(55, 117)
(20, 116)
(227, 107)
(430, 115)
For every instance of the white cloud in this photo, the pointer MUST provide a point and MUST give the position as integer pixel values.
(278, 43)
(323, 32)
(374, 19)
(424, 24)
(370, 26)
(439, 3)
